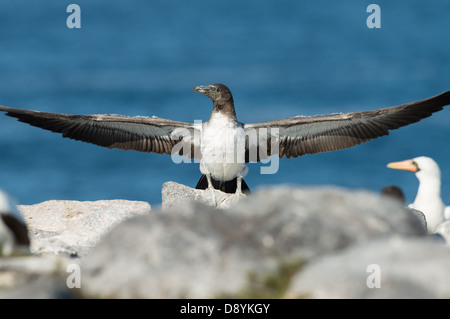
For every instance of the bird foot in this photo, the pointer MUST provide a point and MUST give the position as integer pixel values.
(240, 194)
(213, 196)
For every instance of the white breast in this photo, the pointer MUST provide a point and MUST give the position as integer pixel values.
(433, 208)
(223, 149)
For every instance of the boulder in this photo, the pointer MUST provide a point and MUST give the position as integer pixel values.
(174, 194)
(73, 227)
(36, 277)
(190, 250)
(393, 267)
(443, 229)
(277, 242)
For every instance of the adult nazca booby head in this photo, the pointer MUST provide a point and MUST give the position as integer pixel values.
(428, 199)
(419, 165)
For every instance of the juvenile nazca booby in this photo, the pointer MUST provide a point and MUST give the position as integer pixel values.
(213, 141)
(428, 199)
(13, 230)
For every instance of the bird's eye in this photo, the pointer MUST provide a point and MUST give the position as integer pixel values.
(217, 89)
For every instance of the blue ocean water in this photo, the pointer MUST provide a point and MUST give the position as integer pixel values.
(279, 58)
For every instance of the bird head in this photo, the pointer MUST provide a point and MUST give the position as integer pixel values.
(421, 166)
(221, 97)
(215, 92)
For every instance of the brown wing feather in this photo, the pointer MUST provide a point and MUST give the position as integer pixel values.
(143, 134)
(309, 135)
(18, 228)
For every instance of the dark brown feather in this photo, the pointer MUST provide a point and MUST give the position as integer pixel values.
(297, 136)
(143, 134)
(18, 228)
(226, 187)
(309, 135)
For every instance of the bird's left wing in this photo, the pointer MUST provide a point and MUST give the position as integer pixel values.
(143, 134)
(298, 136)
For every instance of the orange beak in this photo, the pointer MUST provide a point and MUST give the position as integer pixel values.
(407, 165)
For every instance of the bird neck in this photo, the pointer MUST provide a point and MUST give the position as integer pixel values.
(429, 202)
(429, 187)
(225, 108)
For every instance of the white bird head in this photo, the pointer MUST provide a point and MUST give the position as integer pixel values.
(424, 167)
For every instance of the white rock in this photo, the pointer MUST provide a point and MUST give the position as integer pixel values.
(174, 194)
(73, 227)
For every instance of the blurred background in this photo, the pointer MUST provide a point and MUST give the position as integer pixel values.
(279, 58)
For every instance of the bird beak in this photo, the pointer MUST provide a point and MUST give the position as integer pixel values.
(201, 89)
(404, 165)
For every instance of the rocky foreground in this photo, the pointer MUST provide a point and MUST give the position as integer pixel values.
(279, 242)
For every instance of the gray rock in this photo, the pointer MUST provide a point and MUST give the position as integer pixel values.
(196, 251)
(443, 229)
(35, 277)
(407, 268)
(59, 230)
(175, 254)
(73, 227)
(190, 250)
(174, 194)
(307, 222)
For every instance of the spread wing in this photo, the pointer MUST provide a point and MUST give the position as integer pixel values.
(143, 134)
(293, 137)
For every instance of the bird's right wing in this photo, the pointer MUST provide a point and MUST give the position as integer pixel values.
(143, 134)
